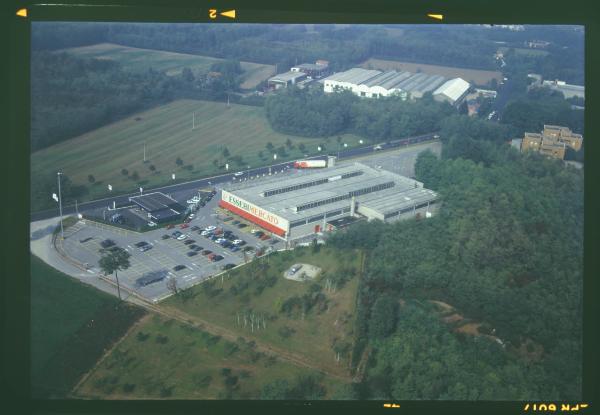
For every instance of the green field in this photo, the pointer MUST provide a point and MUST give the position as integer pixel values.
(71, 324)
(167, 359)
(167, 132)
(259, 289)
(136, 59)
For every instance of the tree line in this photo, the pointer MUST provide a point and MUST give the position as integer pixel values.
(312, 113)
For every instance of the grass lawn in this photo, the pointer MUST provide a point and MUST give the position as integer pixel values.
(259, 289)
(167, 132)
(166, 359)
(137, 59)
(477, 76)
(71, 324)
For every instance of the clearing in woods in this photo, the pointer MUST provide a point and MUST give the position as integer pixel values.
(167, 134)
(138, 59)
(474, 76)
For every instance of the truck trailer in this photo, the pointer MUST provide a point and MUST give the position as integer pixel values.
(310, 164)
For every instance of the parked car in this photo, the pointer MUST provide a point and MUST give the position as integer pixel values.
(140, 244)
(211, 256)
(214, 237)
(145, 248)
(218, 231)
(192, 253)
(265, 237)
(195, 228)
(273, 241)
(210, 228)
(227, 266)
(217, 258)
(151, 224)
(234, 248)
(220, 240)
(242, 225)
(239, 173)
(184, 225)
(107, 243)
(227, 219)
(176, 234)
(165, 236)
(205, 233)
(235, 222)
(206, 252)
(181, 237)
(227, 233)
(191, 216)
(179, 267)
(226, 244)
(258, 234)
(196, 248)
(254, 230)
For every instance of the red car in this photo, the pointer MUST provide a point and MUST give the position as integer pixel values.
(170, 226)
(184, 225)
(211, 256)
(265, 237)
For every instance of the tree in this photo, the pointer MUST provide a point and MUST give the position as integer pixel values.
(91, 178)
(270, 146)
(172, 286)
(135, 175)
(383, 317)
(301, 147)
(124, 172)
(112, 261)
(225, 152)
(152, 167)
(179, 161)
(288, 144)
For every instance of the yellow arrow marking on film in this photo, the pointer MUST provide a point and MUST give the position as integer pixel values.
(22, 12)
(436, 16)
(229, 13)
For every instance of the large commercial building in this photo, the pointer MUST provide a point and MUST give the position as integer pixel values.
(376, 84)
(314, 70)
(299, 203)
(568, 90)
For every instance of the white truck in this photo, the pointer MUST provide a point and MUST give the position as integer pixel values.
(310, 164)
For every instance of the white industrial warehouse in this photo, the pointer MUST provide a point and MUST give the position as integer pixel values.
(299, 203)
(371, 83)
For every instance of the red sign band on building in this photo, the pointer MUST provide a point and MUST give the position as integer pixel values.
(260, 222)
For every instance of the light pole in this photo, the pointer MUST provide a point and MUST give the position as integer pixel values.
(319, 148)
(62, 231)
(248, 175)
(360, 141)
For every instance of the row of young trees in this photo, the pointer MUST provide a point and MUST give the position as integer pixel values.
(506, 248)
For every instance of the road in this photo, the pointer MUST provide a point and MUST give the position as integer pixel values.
(228, 177)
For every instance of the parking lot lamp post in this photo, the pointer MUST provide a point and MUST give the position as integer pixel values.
(248, 175)
(360, 141)
(62, 231)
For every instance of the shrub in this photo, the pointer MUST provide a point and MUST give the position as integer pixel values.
(166, 392)
(142, 337)
(179, 162)
(91, 178)
(162, 339)
(124, 172)
(226, 371)
(135, 176)
(128, 387)
(286, 331)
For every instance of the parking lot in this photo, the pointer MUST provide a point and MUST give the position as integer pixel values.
(163, 255)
